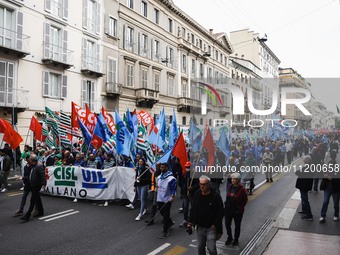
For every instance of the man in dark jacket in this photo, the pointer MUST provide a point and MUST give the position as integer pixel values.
(207, 214)
(37, 180)
(305, 183)
(5, 169)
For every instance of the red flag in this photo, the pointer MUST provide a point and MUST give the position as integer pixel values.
(180, 151)
(36, 128)
(209, 145)
(10, 135)
(90, 119)
(109, 121)
(145, 118)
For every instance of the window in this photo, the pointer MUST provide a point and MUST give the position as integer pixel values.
(6, 25)
(216, 55)
(129, 75)
(193, 91)
(170, 57)
(58, 8)
(90, 56)
(221, 58)
(129, 39)
(156, 16)
(193, 68)
(201, 121)
(111, 26)
(156, 80)
(144, 77)
(112, 71)
(55, 85)
(183, 32)
(192, 38)
(91, 16)
(201, 71)
(171, 88)
(184, 120)
(130, 4)
(88, 93)
(144, 9)
(170, 28)
(143, 45)
(55, 43)
(156, 50)
(201, 43)
(184, 63)
(7, 82)
(184, 88)
(226, 61)
(209, 49)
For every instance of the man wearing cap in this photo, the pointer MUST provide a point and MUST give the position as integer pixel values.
(234, 208)
(166, 191)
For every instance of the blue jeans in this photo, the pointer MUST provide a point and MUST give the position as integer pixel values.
(326, 196)
(206, 237)
(305, 203)
(143, 196)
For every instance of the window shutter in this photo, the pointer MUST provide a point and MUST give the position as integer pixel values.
(98, 63)
(10, 82)
(83, 93)
(65, 9)
(65, 53)
(20, 21)
(85, 7)
(92, 95)
(106, 24)
(140, 50)
(124, 37)
(48, 6)
(64, 87)
(84, 55)
(167, 55)
(114, 71)
(134, 44)
(47, 40)
(46, 79)
(98, 18)
(151, 53)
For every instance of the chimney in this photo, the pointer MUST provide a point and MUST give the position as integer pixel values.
(211, 31)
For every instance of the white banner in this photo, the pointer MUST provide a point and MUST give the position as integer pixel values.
(88, 183)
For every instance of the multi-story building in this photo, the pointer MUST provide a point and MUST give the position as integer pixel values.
(117, 54)
(291, 78)
(248, 45)
(245, 75)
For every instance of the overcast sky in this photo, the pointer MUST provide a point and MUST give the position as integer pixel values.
(303, 34)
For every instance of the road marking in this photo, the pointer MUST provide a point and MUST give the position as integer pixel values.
(61, 216)
(288, 212)
(56, 214)
(177, 250)
(159, 249)
(14, 194)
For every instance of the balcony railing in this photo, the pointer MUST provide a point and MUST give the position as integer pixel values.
(92, 66)
(146, 97)
(113, 88)
(14, 42)
(17, 98)
(186, 104)
(57, 55)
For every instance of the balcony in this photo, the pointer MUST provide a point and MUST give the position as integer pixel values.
(14, 98)
(113, 89)
(57, 56)
(189, 46)
(146, 97)
(92, 66)
(223, 111)
(188, 105)
(14, 43)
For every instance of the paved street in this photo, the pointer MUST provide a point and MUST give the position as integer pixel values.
(89, 228)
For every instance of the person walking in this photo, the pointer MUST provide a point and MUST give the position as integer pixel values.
(234, 208)
(206, 215)
(268, 161)
(5, 162)
(166, 191)
(331, 186)
(305, 183)
(37, 180)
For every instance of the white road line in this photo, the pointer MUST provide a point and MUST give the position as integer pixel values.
(159, 249)
(14, 194)
(56, 214)
(61, 216)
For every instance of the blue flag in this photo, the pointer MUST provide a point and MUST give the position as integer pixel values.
(86, 133)
(164, 159)
(195, 137)
(223, 144)
(173, 131)
(123, 137)
(157, 135)
(101, 130)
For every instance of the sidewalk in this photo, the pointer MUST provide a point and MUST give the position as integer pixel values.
(292, 235)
